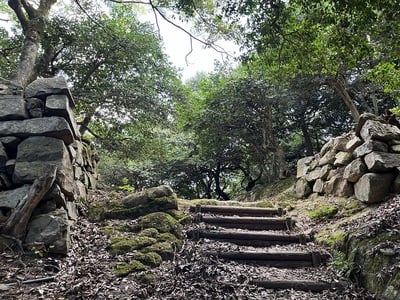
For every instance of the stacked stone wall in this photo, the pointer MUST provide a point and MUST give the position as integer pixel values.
(38, 131)
(364, 163)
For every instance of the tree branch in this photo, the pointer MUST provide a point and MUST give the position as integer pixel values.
(16, 6)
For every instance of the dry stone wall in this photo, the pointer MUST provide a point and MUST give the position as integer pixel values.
(38, 131)
(364, 163)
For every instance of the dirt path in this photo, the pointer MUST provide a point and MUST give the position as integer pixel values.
(86, 273)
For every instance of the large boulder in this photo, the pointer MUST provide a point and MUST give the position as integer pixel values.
(51, 229)
(373, 187)
(37, 154)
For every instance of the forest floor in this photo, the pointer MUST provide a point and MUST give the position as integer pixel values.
(86, 273)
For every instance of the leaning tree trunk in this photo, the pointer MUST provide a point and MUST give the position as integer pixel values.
(16, 225)
(32, 21)
(339, 87)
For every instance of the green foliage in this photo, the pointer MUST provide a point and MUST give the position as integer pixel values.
(341, 264)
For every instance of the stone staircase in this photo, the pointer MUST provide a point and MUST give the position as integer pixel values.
(259, 230)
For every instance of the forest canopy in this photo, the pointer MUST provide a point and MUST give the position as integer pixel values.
(308, 70)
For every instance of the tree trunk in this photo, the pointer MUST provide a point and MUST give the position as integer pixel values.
(341, 90)
(307, 139)
(16, 224)
(218, 190)
(32, 21)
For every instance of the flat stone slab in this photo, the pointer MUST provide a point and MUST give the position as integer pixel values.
(43, 87)
(56, 127)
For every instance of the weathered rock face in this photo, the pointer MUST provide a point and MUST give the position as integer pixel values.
(365, 163)
(38, 131)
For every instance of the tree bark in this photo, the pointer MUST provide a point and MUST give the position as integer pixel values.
(16, 224)
(33, 22)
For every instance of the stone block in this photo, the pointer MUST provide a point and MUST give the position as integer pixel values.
(379, 131)
(302, 188)
(339, 143)
(369, 146)
(353, 143)
(318, 186)
(382, 161)
(58, 105)
(328, 158)
(313, 175)
(341, 159)
(11, 198)
(303, 166)
(373, 187)
(43, 87)
(12, 107)
(52, 229)
(51, 127)
(355, 170)
(37, 154)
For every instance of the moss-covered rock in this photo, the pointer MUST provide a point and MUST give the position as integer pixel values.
(162, 221)
(135, 205)
(122, 269)
(165, 249)
(151, 259)
(121, 244)
(145, 278)
(151, 232)
(170, 238)
(376, 257)
(180, 216)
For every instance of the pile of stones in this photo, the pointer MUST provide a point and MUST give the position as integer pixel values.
(364, 163)
(38, 131)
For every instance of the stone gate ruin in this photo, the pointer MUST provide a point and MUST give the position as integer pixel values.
(38, 132)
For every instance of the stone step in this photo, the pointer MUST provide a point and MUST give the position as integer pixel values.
(237, 210)
(253, 223)
(275, 259)
(250, 238)
(300, 285)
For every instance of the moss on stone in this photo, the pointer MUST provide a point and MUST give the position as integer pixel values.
(351, 207)
(151, 259)
(332, 238)
(120, 246)
(151, 232)
(122, 269)
(162, 221)
(145, 278)
(180, 216)
(170, 238)
(165, 249)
